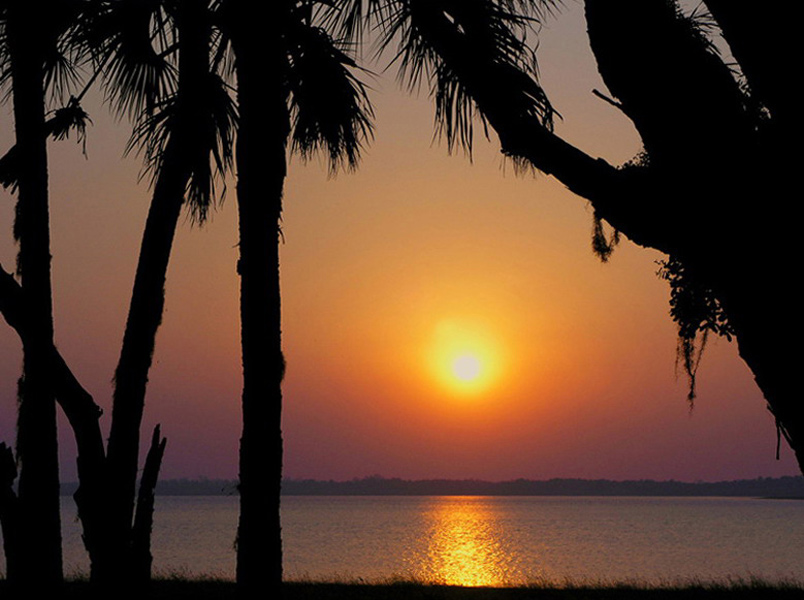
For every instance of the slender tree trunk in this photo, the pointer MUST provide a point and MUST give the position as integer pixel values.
(261, 169)
(131, 376)
(37, 442)
(132, 551)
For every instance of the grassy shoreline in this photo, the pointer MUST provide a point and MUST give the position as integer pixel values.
(178, 588)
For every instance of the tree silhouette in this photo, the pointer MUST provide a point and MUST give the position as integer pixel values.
(30, 56)
(294, 86)
(185, 124)
(312, 102)
(159, 64)
(716, 141)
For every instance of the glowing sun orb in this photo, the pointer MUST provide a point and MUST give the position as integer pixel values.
(464, 357)
(466, 367)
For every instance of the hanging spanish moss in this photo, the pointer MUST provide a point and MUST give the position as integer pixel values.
(697, 312)
(603, 245)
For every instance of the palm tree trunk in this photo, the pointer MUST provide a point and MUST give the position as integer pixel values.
(131, 377)
(37, 445)
(261, 148)
(132, 553)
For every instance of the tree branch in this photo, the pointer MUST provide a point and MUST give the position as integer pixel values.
(620, 196)
(77, 404)
(9, 511)
(144, 516)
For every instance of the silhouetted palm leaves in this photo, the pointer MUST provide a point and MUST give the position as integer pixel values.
(330, 110)
(459, 49)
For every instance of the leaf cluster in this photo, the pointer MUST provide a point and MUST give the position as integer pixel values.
(492, 38)
(697, 312)
(329, 105)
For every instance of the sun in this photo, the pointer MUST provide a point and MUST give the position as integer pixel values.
(466, 367)
(465, 358)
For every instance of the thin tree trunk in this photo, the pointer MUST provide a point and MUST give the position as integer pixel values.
(261, 149)
(37, 445)
(148, 298)
(131, 376)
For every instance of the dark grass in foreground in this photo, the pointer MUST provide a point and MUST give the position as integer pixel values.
(214, 589)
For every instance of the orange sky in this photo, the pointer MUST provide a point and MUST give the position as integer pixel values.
(387, 274)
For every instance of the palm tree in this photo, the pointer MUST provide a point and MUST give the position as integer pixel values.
(184, 125)
(712, 142)
(160, 64)
(32, 58)
(295, 87)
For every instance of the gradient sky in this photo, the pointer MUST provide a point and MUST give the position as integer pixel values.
(387, 274)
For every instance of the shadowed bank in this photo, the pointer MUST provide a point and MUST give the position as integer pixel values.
(178, 589)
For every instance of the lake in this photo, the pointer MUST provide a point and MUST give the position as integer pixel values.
(488, 540)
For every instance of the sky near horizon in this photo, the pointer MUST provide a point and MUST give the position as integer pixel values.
(442, 318)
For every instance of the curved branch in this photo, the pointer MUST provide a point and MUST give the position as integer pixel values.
(618, 195)
(77, 403)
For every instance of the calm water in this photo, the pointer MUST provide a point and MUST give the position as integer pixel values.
(490, 541)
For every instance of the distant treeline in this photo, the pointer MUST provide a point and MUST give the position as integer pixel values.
(782, 487)
(180, 487)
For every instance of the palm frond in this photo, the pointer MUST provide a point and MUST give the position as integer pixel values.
(212, 144)
(202, 116)
(61, 73)
(9, 169)
(329, 104)
(461, 49)
(59, 125)
(69, 118)
(136, 39)
(62, 56)
(349, 19)
(5, 61)
(207, 152)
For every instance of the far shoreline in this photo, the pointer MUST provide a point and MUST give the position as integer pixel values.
(780, 488)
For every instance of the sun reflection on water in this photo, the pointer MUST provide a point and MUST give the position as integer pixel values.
(466, 546)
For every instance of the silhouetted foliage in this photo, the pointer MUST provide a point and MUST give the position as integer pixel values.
(711, 185)
(697, 312)
(31, 64)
